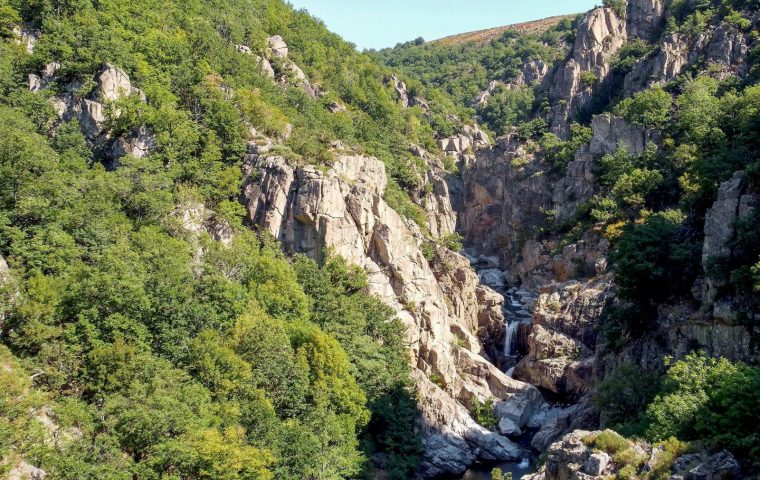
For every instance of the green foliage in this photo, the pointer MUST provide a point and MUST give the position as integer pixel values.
(720, 421)
(498, 474)
(623, 395)
(506, 108)
(589, 78)
(737, 20)
(650, 108)
(559, 152)
(9, 18)
(671, 449)
(463, 70)
(170, 352)
(699, 110)
(373, 340)
(700, 398)
(650, 261)
(617, 6)
(483, 413)
(631, 52)
(673, 412)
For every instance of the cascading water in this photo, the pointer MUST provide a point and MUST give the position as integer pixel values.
(510, 327)
(509, 336)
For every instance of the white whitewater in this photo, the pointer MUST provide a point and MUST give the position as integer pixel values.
(509, 336)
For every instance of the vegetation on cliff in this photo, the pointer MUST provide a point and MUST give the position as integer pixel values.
(156, 349)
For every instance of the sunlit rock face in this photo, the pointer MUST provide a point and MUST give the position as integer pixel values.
(445, 310)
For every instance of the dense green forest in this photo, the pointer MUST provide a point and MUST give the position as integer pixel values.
(465, 69)
(157, 351)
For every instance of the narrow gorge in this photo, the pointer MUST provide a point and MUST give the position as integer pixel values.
(238, 248)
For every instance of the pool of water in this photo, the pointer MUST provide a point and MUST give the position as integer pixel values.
(518, 469)
(483, 472)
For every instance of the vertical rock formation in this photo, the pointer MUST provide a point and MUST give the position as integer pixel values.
(310, 210)
(563, 337)
(734, 203)
(645, 18)
(600, 34)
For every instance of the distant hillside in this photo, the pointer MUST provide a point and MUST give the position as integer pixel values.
(483, 36)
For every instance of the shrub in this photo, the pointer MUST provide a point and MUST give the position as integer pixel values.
(629, 456)
(559, 152)
(611, 442)
(650, 108)
(631, 52)
(650, 263)
(672, 448)
(483, 413)
(589, 78)
(627, 473)
(624, 395)
(617, 6)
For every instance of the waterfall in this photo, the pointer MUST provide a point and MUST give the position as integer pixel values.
(509, 336)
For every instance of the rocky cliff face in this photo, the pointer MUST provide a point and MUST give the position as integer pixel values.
(446, 311)
(571, 85)
(724, 47)
(562, 339)
(510, 195)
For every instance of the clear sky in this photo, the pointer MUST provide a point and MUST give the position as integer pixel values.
(383, 23)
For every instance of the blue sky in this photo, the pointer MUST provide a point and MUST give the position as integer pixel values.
(383, 23)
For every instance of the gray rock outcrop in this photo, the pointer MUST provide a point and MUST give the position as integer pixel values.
(113, 84)
(574, 457)
(599, 35)
(281, 68)
(722, 46)
(309, 210)
(481, 99)
(562, 339)
(612, 133)
(645, 18)
(277, 46)
(734, 203)
(400, 87)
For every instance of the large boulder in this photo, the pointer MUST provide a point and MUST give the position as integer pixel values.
(721, 466)
(611, 133)
(113, 83)
(277, 46)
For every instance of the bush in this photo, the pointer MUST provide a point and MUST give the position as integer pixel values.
(610, 442)
(651, 263)
(623, 396)
(672, 448)
(650, 108)
(483, 413)
(589, 78)
(631, 52)
(559, 152)
(617, 6)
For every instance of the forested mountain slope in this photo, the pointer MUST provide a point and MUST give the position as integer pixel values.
(148, 333)
(232, 247)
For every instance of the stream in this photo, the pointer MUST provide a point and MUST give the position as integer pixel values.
(517, 469)
(514, 314)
